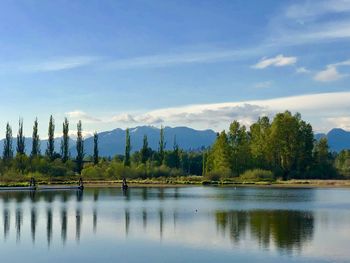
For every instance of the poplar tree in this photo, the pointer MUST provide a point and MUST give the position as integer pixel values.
(35, 140)
(50, 151)
(96, 157)
(8, 151)
(127, 148)
(161, 145)
(80, 148)
(65, 141)
(20, 138)
(145, 151)
(176, 153)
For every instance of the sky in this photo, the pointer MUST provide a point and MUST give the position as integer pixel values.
(200, 64)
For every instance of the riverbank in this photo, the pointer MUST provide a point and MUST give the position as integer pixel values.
(184, 181)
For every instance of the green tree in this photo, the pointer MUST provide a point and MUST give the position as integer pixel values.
(127, 148)
(96, 157)
(20, 138)
(238, 140)
(260, 143)
(65, 141)
(176, 154)
(8, 150)
(145, 150)
(323, 166)
(35, 140)
(219, 156)
(161, 149)
(80, 148)
(50, 151)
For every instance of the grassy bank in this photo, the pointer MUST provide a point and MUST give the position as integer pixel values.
(173, 181)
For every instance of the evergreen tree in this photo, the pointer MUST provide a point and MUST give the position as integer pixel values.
(50, 151)
(219, 157)
(8, 150)
(65, 141)
(35, 140)
(20, 139)
(145, 151)
(204, 162)
(80, 148)
(96, 158)
(161, 145)
(127, 148)
(176, 154)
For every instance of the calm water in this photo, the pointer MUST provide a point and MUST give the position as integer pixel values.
(196, 224)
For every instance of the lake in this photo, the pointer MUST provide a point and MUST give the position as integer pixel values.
(176, 224)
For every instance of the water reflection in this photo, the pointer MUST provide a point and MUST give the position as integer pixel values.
(64, 225)
(33, 220)
(289, 230)
(227, 218)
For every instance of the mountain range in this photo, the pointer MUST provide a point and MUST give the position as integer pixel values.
(113, 142)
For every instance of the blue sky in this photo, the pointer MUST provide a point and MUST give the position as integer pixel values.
(194, 63)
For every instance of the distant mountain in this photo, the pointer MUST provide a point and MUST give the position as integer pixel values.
(113, 142)
(338, 139)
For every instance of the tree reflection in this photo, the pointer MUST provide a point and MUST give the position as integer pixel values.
(288, 230)
(64, 225)
(33, 219)
(78, 219)
(49, 226)
(6, 222)
(18, 223)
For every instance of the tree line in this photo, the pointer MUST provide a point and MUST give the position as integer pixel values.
(54, 163)
(283, 147)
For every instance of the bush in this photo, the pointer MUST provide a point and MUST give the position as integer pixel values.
(218, 175)
(257, 175)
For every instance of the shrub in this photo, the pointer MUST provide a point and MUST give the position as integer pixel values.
(256, 175)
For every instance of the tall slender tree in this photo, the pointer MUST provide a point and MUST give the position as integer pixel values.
(96, 157)
(176, 153)
(35, 140)
(127, 148)
(20, 138)
(8, 150)
(80, 148)
(50, 151)
(161, 149)
(65, 141)
(145, 151)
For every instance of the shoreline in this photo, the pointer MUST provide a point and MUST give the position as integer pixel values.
(315, 183)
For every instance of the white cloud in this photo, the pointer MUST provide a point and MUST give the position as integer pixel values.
(278, 61)
(302, 70)
(80, 115)
(340, 122)
(58, 64)
(262, 85)
(322, 110)
(312, 9)
(163, 60)
(331, 72)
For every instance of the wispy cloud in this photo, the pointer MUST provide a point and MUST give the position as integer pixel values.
(302, 70)
(306, 22)
(319, 109)
(331, 73)
(310, 9)
(262, 85)
(81, 115)
(163, 60)
(57, 64)
(278, 61)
